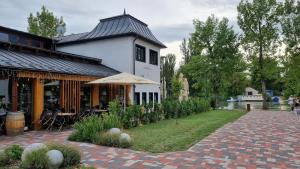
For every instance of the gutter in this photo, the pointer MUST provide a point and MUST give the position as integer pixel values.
(133, 59)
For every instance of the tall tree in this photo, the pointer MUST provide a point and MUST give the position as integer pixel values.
(44, 23)
(168, 71)
(215, 57)
(289, 12)
(186, 51)
(258, 20)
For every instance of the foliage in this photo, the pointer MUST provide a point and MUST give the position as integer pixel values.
(167, 71)
(107, 139)
(4, 160)
(186, 50)
(215, 57)
(289, 12)
(36, 160)
(14, 152)
(111, 140)
(44, 23)
(115, 107)
(174, 108)
(258, 20)
(180, 134)
(132, 116)
(71, 155)
(88, 127)
(176, 87)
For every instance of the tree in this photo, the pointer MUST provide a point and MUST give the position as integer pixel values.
(44, 23)
(257, 19)
(215, 58)
(168, 71)
(176, 87)
(186, 51)
(289, 12)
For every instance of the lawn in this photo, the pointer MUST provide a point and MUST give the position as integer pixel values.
(180, 134)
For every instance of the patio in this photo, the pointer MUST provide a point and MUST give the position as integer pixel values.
(260, 139)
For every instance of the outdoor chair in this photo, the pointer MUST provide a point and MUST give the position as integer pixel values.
(46, 119)
(2, 123)
(57, 121)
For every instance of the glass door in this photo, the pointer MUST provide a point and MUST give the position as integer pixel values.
(25, 101)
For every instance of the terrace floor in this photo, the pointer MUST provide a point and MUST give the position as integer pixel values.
(259, 139)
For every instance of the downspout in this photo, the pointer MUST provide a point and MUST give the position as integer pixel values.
(133, 61)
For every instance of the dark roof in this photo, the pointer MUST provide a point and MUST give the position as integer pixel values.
(25, 61)
(122, 25)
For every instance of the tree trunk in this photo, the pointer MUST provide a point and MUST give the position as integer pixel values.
(263, 87)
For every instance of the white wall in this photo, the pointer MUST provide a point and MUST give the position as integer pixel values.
(118, 53)
(114, 52)
(148, 70)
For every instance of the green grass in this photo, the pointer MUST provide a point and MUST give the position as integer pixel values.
(180, 134)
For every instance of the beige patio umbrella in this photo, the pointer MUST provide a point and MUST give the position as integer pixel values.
(124, 79)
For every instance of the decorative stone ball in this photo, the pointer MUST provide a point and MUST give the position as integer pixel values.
(31, 148)
(56, 158)
(125, 138)
(114, 131)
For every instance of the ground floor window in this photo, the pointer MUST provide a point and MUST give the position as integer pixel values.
(104, 98)
(85, 97)
(25, 100)
(137, 98)
(5, 96)
(151, 98)
(51, 95)
(144, 98)
(156, 97)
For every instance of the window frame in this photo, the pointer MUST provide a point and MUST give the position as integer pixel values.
(137, 57)
(155, 62)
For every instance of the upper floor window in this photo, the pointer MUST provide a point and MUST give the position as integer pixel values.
(140, 53)
(153, 57)
(3, 37)
(13, 38)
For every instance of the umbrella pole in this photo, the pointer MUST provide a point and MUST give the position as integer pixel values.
(124, 97)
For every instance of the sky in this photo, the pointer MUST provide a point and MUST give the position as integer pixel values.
(169, 20)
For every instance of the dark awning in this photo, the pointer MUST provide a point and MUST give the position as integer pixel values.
(35, 62)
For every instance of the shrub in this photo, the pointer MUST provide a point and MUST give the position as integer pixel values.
(71, 155)
(14, 152)
(87, 128)
(36, 160)
(115, 107)
(4, 160)
(132, 116)
(107, 139)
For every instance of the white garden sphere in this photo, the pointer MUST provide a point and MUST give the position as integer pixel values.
(56, 158)
(31, 148)
(124, 137)
(114, 131)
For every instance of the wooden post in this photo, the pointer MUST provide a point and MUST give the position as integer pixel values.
(127, 92)
(14, 95)
(95, 95)
(38, 101)
(62, 94)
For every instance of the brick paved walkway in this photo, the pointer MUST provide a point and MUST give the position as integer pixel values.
(260, 139)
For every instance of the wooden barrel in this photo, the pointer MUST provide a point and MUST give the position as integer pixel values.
(15, 123)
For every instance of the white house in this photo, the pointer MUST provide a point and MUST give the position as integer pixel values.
(250, 95)
(123, 43)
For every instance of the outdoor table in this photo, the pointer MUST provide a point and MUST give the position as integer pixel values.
(100, 112)
(66, 116)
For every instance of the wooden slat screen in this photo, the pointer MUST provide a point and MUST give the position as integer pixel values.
(70, 95)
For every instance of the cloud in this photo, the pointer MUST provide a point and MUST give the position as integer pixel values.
(171, 33)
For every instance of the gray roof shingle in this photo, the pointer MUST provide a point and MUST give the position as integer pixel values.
(25, 61)
(121, 25)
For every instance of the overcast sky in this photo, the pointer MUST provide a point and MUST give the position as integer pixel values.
(169, 20)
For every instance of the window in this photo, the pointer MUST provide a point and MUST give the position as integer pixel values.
(156, 97)
(85, 97)
(144, 98)
(137, 98)
(104, 97)
(151, 97)
(35, 43)
(3, 37)
(140, 53)
(51, 95)
(13, 38)
(23, 41)
(153, 57)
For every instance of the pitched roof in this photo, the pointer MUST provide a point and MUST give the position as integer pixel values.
(122, 25)
(25, 61)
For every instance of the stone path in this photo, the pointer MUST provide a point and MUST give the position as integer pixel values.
(260, 139)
